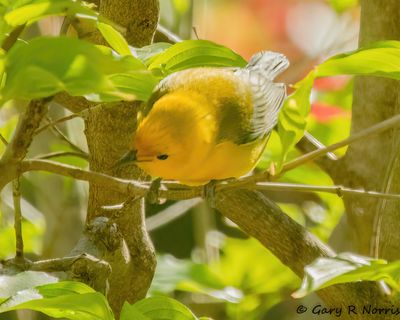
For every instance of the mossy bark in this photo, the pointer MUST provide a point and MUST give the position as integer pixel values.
(109, 130)
(374, 164)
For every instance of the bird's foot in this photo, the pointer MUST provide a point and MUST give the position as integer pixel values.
(153, 195)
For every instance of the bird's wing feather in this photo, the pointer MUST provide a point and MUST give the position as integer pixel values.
(269, 64)
(160, 90)
(268, 97)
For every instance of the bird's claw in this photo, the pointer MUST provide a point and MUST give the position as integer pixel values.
(209, 193)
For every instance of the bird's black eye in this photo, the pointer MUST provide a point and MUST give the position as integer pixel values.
(162, 157)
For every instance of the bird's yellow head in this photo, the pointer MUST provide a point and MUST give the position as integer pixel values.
(173, 138)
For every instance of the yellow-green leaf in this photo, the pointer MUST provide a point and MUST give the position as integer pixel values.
(114, 38)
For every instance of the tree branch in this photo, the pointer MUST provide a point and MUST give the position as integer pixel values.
(176, 191)
(373, 130)
(109, 131)
(28, 122)
(17, 148)
(83, 267)
(291, 243)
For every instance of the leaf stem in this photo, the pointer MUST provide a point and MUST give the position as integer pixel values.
(19, 242)
(12, 37)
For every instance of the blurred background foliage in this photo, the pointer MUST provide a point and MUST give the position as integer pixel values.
(204, 260)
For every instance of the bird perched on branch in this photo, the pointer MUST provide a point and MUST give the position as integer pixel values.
(205, 124)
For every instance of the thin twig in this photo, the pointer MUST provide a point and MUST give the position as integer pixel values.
(59, 133)
(170, 37)
(338, 190)
(19, 241)
(195, 32)
(319, 145)
(53, 123)
(170, 214)
(59, 154)
(175, 191)
(3, 140)
(373, 130)
(329, 163)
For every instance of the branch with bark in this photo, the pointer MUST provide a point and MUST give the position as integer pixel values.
(176, 191)
(108, 131)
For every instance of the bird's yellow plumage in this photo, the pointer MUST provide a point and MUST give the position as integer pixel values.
(205, 124)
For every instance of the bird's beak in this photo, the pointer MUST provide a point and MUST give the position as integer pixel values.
(127, 158)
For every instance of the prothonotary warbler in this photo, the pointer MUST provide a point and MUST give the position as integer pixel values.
(206, 124)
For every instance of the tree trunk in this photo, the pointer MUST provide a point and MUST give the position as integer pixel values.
(374, 163)
(109, 130)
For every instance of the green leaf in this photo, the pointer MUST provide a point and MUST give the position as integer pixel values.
(347, 267)
(195, 53)
(181, 6)
(185, 275)
(39, 9)
(71, 300)
(114, 38)
(26, 13)
(45, 66)
(146, 54)
(143, 84)
(343, 5)
(131, 312)
(380, 59)
(11, 284)
(63, 288)
(157, 308)
(292, 118)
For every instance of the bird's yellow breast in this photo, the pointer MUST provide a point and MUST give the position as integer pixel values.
(227, 160)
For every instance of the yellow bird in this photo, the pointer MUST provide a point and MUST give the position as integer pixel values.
(206, 124)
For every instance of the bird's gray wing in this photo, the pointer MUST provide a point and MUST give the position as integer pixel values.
(268, 97)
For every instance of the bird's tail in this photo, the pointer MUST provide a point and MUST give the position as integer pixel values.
(269, 64)
(268, 97)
